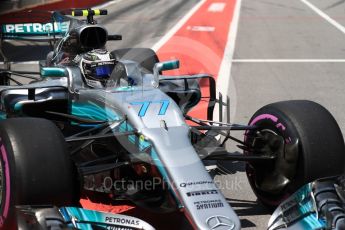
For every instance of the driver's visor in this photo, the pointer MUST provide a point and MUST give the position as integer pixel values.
(103, 71)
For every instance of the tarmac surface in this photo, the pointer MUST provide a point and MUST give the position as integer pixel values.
(283, 50)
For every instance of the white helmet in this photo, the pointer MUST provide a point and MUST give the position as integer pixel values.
(97, 66)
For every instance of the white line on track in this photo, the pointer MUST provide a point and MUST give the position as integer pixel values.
(216, 7)
(177, 26)
(324, 16)
(202, 28)
(288, 60)
(224, 74)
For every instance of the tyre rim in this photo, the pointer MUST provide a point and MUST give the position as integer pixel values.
(259, 174)
(255, 176)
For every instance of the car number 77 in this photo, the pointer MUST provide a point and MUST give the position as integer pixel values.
(145, 105)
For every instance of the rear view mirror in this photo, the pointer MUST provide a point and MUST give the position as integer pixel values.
(168, 65)
(163, 66)
(53, 72)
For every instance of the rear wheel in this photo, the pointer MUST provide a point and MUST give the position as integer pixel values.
(307, 142)
(147, 58)
(35, 167)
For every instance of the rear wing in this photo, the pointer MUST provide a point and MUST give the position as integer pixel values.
(33, 26)
(27, 25)
(34, 31)
(43, 26)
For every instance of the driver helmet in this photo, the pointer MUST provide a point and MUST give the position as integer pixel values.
(97, 66)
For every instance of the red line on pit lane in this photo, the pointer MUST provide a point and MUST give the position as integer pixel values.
(200, 44)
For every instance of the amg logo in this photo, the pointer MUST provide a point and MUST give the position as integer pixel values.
(203, 192)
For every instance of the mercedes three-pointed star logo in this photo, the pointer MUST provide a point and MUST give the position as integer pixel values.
(220, 223)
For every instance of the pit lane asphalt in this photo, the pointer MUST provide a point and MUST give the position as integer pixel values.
(268, 29)
(279, 29)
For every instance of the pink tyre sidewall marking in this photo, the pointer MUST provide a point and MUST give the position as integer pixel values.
(6, 169)
(267, 116)
(262, 117)
(259, 118)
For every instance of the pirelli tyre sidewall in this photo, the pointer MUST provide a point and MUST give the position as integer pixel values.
(321, 150)
(35, 167)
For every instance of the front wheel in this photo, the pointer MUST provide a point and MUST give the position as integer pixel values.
(306, 141)
(35, 167)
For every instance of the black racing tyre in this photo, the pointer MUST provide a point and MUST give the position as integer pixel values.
(308, 144)
(35, 167)
(147, 58)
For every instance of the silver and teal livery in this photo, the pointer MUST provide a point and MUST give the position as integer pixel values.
(317, 205)
(84, 219)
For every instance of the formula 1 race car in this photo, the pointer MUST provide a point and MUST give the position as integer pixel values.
(111, 123)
